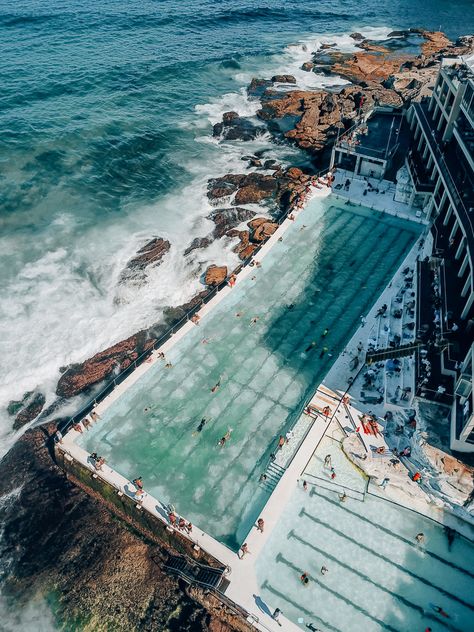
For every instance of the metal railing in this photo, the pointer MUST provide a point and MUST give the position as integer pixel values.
(122, 375)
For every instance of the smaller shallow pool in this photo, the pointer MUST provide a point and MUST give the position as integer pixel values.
(378, 576)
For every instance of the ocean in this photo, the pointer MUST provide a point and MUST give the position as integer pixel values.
(105, 142)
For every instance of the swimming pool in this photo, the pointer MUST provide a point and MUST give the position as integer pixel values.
(378, 576)
(328, 269)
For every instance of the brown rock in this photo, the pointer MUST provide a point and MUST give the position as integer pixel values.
(294, 173)
(244, 248)
(283, 79)
(264, 231)
(307, 66)
(215, 275)
(224, 186)
(197, 243)
(31, 406)
(435, 42)
(227, 218)
(255, 223)
(228, 117)
(364, 67)
(357, 36)
(254, 188)
(80, 377)
(151, 254)
(374, 48)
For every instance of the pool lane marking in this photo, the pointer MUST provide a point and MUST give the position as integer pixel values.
(299, 607)
(387, 560)
(395, 535)
(338, 595)
(360, 609)
(365, 577)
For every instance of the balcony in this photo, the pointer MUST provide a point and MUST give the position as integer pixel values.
(419, 175)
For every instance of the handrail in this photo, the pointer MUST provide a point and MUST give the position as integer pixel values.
(230, 603)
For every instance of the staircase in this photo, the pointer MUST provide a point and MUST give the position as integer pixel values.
(273, 473)
(194, 572)
(393, 352)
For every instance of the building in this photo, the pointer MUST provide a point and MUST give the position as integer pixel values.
(440, 163)
(370, 148)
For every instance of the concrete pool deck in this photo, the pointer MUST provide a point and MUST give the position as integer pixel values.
(244, 588)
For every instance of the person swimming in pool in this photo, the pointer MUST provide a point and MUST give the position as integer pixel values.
(225, 438)
(202, 423)
(216, 386)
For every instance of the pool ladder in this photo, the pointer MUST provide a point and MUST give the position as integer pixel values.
(273, 473)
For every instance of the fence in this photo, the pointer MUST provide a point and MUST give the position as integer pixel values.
(122, 375)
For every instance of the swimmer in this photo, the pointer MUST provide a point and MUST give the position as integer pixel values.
(225, 438)
(202, 423)
(420, 538)
(168, 365)
(161, 355)
(254, 320)
(238, 314)
(304, 579)
(216, 386)
(440, 611)
(206, 341)
(324, 570)
(146, 409)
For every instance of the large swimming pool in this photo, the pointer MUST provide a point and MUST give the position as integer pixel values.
(328, 270)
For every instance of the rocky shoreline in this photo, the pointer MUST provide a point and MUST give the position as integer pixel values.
(380, 74)
(61, 542)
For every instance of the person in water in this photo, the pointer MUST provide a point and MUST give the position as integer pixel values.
(441, 612)
(216, 386)
(225, 438)
(304, 578)
(202, 423)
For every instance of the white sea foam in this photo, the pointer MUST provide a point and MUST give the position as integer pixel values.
(230, 102)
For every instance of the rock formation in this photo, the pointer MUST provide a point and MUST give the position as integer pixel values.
(235, 127)
(26, 409)
(150, 254)
(215, 275)
(81, 377)
(226, 219)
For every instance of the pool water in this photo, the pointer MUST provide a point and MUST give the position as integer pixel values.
(328, 270)
(378, 578)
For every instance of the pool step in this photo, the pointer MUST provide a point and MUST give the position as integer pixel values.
(274, 472)
(195, 573)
